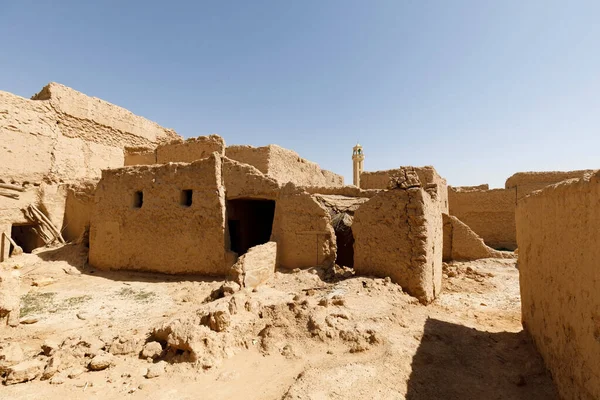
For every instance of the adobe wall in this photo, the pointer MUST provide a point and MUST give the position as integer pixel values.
(302, 229)
(527, 182)
(139, 156)
(190, 150)
(489, 213)
(258, 157)
(348, 191)
(163, 235)
(407, 243)
(462, 244)
(559, 249)
(428, 176)
(284, 165)
(245, 181)
(96, 120)
(78, 208)
(62, 135)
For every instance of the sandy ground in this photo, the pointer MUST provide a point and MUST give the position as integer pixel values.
(308, 334)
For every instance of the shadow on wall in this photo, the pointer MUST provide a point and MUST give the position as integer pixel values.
(457, 362)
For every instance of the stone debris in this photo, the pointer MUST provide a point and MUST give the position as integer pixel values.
(156, 370)
(23, 372)
(101, 361)
(256, 266)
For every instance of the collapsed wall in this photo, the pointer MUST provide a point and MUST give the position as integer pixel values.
(166, 218)
(489, 213)
(462, 244)
(399, 233)
(526, 182)
(284, 165)
(559, 249)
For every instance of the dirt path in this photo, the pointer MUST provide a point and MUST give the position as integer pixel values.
(299, 337)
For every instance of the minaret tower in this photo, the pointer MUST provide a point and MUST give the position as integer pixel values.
(357, 162)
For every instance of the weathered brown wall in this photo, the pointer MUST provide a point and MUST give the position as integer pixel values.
(527, 182)
(462, 244)
(302, 229)
(399, 233)
(78, 209)
(245, 181)
(287, 166)
(162, 235)
(190, 150)
(559, 248)
(33, 148)
(258, 157)
(139, 156)
(284, 165)
(349, 191)
(430, 180)
(62, 135)
(489, 213)
(96, 120)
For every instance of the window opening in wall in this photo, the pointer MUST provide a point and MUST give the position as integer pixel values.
(186, 198)
(26, 237)
(250, 222)
(138, 199)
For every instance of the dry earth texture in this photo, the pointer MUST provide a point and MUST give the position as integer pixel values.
(305, 334)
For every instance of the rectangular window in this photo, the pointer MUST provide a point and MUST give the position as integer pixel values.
(138, 199)
(186, 198)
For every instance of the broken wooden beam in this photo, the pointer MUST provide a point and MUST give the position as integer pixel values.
(12, 187)
(46, 221)
(10, 195)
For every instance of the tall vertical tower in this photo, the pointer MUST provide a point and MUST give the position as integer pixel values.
(358, 158)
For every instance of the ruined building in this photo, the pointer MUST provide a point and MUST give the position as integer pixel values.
(76, 168)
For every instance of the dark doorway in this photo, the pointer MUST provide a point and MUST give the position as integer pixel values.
(25, 237)
(342, 225)
(250, 223)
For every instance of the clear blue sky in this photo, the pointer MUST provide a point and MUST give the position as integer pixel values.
(478, 89)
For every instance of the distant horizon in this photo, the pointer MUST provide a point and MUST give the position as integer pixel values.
(478, 90)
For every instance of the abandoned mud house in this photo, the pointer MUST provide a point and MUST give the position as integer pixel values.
(74, 167)
(108, 172)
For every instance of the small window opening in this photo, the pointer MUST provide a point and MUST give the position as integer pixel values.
(186, 197)
(138, 199)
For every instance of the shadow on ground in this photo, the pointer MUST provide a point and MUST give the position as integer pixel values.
(457, 362)
(76, 256)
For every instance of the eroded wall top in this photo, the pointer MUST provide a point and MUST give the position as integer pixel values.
(559, 248)
(430, 180)
(64, 135)
(190, 150)
(284, 165)
(96, 120)
(527, 182)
